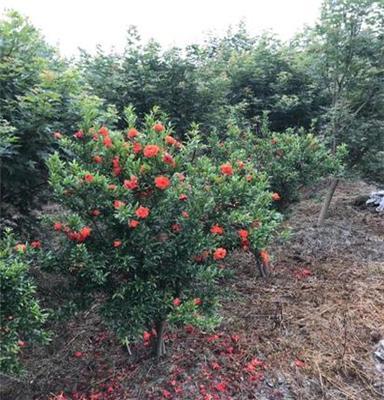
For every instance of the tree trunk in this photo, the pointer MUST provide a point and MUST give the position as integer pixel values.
(327, 201)
(159, 345)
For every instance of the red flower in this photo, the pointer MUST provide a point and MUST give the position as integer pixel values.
(95, 212)
(183, 197)
(36, 244)
(88, 178)
(197, 301)
(219, 253)
(84, 233)
(216, 366)
(136, 148)
(78, 354)
(166, 394)
(146, 336)
(142, 212)
(243, 233)
(22, 344)
(21, 248)
(132, 183)
(221, 387)
(133, 223)
(132, 133)
(158, 127)
(176, 302)
(57, 135)
(240, 164)
(276, 197)
(98, 159)
(226, 169)
(168, 159)
(162, 182)
(151, 150)
(170, 140)
(57, 226)
(185, 214)
(104, 131)
(79, 135)
(112, 186)
(264, 256)
(217, 229)
(116, 171)
(117, 243)
(299, 363)
(107, 142)
(118, 203)
(176, 228)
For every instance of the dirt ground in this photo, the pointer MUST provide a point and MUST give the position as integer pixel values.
(307, 332)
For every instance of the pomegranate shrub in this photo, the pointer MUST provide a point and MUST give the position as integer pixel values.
(149, 221)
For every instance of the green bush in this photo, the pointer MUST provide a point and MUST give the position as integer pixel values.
(21, 317)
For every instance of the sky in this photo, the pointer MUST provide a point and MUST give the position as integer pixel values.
(71, 24)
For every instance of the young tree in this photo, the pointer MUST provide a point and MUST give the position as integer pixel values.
(149, 223)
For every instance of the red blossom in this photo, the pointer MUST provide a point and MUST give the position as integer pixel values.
(221, 387)
(98, 159)
(142, 212)
(168, 159)
(95, 212)
(183, 197)
(132, 183)
(162, 182)
(166, 394)
(79, 135)
(104, 131)
(89, 178)
(36, 244)
(84, 233)
(78, 354)
(21, 248)
(185, 214)
(118, 204)
(240, 164)
(299, 363)
(197, 301)
(147, 336)
(107, 142)
(219, 253)
(243, 233)
(132, 133)
(176, 302)
(216, 229)
(136, 148)
(117, 243)
(112, 186)
(180, 176)
(133, 223)
(151, 150)
(176, 228)
(158, 127)
(226, 169)
(22, 344)
(276, 197)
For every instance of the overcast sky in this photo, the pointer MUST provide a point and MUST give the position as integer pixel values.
(84, 23)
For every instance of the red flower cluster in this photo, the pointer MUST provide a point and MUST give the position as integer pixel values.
(116, 166)
(98, 159)
(132, 133)
(162, 182)
(88, 178)
(36, 244)
(183, 197)
(136, 148)
(79, 135)
(158, 127)
(219, 253)
(132, 183)
(276, 197)
(142, 212)
(168, 159)
(216, 229)
(118, 204)
(264, 256)
(151, 150)
(226, 169)
(133, 223)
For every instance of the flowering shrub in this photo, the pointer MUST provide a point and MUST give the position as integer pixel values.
(150, 224)
(290, 160)
(21, 317)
